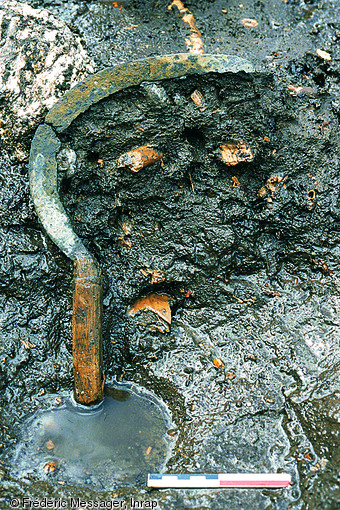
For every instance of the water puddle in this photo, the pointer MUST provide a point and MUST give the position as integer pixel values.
(118, 443)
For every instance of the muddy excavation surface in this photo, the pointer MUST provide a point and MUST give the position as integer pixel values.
(220, 258)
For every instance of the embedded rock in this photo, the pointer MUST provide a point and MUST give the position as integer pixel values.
(40, 58)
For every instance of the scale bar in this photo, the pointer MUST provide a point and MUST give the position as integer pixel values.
(243, 480)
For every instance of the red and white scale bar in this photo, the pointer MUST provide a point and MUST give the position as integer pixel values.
(245, 480)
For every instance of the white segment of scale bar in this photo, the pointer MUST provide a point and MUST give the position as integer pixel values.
(174, 482)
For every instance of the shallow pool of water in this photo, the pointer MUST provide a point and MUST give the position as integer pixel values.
(117, 443)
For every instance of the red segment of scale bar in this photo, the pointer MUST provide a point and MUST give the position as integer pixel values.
(255, 483)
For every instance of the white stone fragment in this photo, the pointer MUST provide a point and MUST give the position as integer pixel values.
(40, 59)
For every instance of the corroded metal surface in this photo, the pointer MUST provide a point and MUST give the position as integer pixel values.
(45, 144)
(44, 190)
(111, 80)
(87, 296)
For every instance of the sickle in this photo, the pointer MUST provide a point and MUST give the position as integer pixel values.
(87, 294)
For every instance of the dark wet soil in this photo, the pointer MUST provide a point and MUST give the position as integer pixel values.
(250, 252)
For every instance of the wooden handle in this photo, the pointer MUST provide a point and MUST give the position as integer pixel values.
(87, 333)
